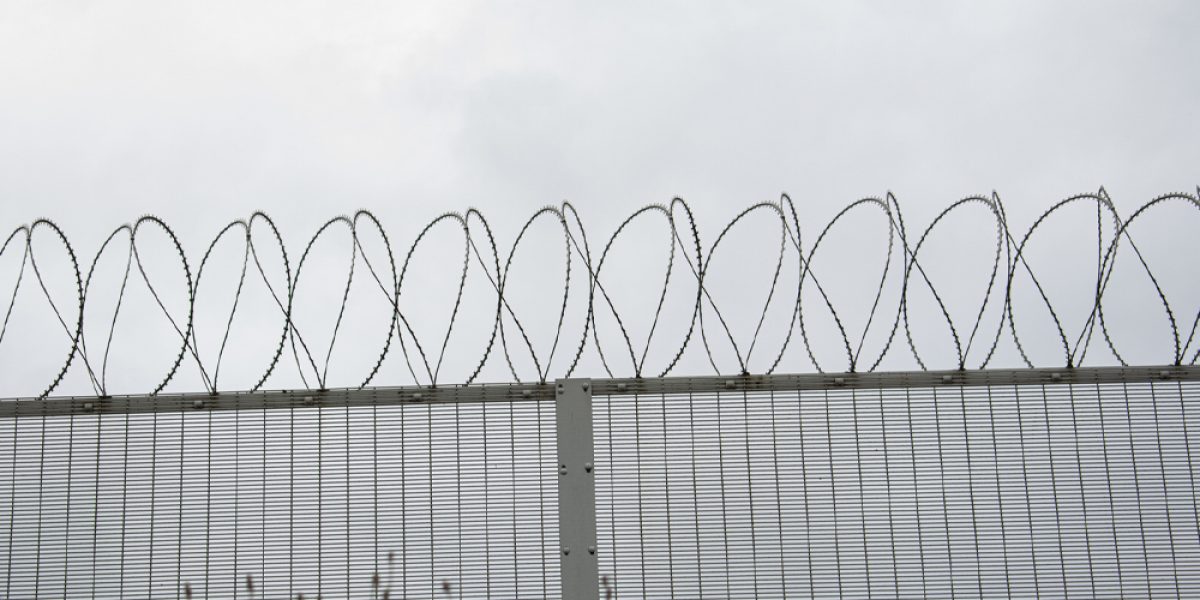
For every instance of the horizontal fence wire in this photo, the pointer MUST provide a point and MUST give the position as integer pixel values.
(313, 501)
(1046, 491)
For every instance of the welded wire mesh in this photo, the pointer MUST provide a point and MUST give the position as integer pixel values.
(1057, 491)
(958, 491)
(303, 500)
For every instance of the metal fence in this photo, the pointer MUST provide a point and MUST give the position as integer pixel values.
(1050, 483)
(1014, 491)
(311, 499)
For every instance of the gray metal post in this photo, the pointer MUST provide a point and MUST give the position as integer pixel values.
(576, 490)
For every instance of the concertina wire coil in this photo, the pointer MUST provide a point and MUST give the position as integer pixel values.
(686, 258)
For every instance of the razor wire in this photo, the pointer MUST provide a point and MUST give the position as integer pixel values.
(687, 258)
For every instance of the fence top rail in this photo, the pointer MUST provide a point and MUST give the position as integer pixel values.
(381, 396)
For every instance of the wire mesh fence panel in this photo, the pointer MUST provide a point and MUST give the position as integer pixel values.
(302, 500)
(979, 484)
(1015, 491)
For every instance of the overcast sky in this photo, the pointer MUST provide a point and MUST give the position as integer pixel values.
(201, 113)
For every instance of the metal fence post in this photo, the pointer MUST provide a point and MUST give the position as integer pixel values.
(576, 490)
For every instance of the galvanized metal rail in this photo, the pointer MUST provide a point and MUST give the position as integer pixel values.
(383, 396)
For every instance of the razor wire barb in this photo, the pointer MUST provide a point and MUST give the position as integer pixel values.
(686, 258)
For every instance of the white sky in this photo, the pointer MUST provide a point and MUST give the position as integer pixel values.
(203, 112)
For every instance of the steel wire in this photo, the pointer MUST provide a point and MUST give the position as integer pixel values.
(972, 344)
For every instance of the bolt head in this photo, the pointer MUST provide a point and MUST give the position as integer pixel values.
(88, 406)
(947, 379)
(197, 404)
(566, 550)
(1164, 374)
(839, 381)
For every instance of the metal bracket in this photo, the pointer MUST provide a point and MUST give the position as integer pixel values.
(576, 490)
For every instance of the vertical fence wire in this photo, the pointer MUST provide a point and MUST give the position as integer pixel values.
(1055, 491)
(1032, 491)
(309, 500)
